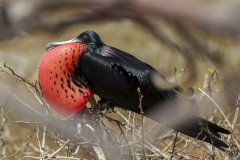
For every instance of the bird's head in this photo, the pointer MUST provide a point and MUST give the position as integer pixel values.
(90, 38)
(56, 77)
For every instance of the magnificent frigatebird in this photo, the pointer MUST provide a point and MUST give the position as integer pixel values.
(85, 65)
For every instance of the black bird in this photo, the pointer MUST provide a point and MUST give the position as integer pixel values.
(115, 76)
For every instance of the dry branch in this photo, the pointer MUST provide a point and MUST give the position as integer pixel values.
(81, 132)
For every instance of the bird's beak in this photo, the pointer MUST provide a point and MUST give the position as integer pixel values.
(55, 44)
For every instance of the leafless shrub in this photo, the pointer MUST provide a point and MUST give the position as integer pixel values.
(50, 136)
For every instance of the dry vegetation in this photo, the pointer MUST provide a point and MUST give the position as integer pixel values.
(194, 45)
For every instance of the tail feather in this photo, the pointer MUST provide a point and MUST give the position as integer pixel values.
(203, 130)
(184, 120)
(214, 126)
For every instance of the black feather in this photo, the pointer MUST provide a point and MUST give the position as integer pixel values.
(115, 75)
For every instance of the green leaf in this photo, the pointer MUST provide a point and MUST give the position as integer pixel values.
(182, 70)
(212, 71)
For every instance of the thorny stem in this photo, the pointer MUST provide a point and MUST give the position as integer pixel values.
(141, 112)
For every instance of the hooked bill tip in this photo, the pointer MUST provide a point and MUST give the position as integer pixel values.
(55, 44)
(50, 46)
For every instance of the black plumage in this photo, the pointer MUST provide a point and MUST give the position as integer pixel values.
(115, 75)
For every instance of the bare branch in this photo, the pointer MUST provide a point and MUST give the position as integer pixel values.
(141, 112)
(58, 150)
(216, 106)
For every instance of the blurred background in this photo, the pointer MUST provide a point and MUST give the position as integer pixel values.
(193, 44)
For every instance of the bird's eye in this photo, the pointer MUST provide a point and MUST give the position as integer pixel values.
(84, 37)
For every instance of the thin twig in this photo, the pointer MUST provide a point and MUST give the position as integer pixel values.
(12, 73)
(21, 121)
(216, 106)
(2, 135)
(236, 115)
(21, 147)
(111, 139)
(140, 96)
(174, 145)
(25, 104)
(58, 150)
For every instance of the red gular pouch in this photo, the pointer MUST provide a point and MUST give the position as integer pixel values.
(55, 78)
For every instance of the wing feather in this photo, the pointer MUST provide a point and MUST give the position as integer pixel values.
(116, 72)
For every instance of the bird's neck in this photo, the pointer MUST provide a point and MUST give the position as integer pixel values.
(96, 47)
